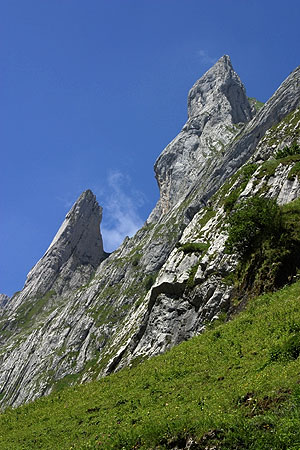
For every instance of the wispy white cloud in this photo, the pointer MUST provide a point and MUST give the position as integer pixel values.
(205, 58)
(120, 203)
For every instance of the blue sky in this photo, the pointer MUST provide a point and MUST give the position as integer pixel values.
(92, 91)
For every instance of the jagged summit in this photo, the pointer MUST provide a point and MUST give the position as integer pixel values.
(85, 208)
(221, 92)
(217, 108)
(75, 251)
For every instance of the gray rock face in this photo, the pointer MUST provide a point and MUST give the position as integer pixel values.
(220, 93)
(3, 300)
(217, 108)
(180, 304)
(284, 101)
(173, 313)
(192, 289)
(149, 294)
(72, 256)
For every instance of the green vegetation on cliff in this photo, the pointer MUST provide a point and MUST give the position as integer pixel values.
(236, 386)
(255, 103)
(266, 238)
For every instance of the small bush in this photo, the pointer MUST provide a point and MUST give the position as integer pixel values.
(294, 149)
(191, 280)
(149, 281)
(136, 260)
(253, 220)
(295, 171)
(268, 243)
(247, 171)
(231, 200)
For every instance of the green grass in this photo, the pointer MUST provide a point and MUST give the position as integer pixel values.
(294, 149)
(208, 213)
(235, 387)
(268, 168)
(191, 280)
(25, 315)
(257, 104)
(294, 172)
(194, 247)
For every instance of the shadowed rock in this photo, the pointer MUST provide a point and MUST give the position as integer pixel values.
(220, 92)
(3, 300)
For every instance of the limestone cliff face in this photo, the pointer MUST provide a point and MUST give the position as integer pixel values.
(285, 100)
(217, 109)
(150, 294)
(193, 287)
(219, 93)
(3, 300)
(172, 311)
(72, 256)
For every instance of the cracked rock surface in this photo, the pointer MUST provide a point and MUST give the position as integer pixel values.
(217, 109)
(83, 314)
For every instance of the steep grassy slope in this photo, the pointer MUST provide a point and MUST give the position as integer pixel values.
(237, 386)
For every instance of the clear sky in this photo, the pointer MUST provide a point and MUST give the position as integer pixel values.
(92, 91)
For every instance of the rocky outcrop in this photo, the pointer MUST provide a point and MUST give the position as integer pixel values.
(194, 287)
(285, 100)
(3, 300)
(219, 93)
(217, 109)
(72, 256)
(82, 315)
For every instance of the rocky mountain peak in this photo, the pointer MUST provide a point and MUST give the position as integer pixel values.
(79, 234)
(220, 90)
(217, 109)
(74, 253)
(163, 285)
(83, 220)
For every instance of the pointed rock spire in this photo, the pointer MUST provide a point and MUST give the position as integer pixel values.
(74, 253)
(79, 234)
(216, 103)
(220, 89)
